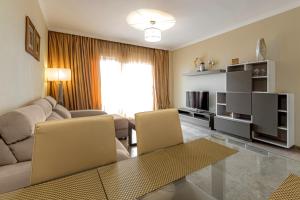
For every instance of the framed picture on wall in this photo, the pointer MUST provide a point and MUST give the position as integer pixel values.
(37, 44)
(32, 39)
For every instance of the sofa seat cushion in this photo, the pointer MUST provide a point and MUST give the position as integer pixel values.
(45, 105)
(6, 156)
(54, 116)
(122, 153)
(23, 149)
(51, 100)
(62, 111)
(19, 124)
(16, 176)
(120, 122)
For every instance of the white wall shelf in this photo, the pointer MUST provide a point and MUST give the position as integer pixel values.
(207, 72)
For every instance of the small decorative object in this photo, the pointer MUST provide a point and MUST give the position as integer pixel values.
(202, 67)
(211, 63)
(197, 62)
(263, 72)
(261, 50)
(235, 61)
(32, 39)
(256, 72)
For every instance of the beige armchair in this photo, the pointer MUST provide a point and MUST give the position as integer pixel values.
(65, 147)
(157, 129)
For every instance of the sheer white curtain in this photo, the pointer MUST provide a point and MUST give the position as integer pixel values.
(126, 88)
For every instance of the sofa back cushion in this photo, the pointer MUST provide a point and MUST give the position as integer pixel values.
(45, 105)
(54, 116)
(6, 156)
(62, 111)
(23, 149)
(51, 100)
(19, 124)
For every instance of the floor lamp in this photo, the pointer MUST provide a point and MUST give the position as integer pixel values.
(59, 75)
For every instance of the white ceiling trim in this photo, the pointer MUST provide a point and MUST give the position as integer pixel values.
(240, 25)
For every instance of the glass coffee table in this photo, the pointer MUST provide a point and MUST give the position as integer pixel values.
(250, 174)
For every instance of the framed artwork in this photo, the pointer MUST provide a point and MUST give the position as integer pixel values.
(32, 39)
(37, 44)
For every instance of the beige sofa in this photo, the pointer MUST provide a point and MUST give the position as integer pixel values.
(16, 138)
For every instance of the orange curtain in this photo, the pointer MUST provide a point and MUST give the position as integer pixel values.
(81, 55)
(161, 79)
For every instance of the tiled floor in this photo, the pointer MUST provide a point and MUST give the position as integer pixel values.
(253, 173)
(192, 132)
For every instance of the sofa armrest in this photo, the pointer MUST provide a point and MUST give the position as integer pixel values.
(86, 113)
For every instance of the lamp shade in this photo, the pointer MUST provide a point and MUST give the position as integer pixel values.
(152, 34)
(58, 74)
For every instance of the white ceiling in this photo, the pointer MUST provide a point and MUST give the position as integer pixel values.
(195, 19)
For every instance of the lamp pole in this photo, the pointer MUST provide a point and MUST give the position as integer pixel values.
(60, 93)
(59, 75)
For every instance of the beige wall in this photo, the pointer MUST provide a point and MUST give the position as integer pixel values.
(21, 75)
(282, 35)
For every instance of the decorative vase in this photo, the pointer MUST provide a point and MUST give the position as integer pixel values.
(211, 63)
(261, 50)
(202, 67)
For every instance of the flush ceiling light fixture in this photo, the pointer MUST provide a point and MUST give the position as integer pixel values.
(152, 22)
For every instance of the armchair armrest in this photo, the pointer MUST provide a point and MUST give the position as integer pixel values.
(86, 113)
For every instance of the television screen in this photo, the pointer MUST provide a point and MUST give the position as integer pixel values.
(197, 100)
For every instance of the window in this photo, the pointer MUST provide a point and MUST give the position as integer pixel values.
(126, 88)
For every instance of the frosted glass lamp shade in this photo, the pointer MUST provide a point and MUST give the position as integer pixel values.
(152, 34)
(58, 74)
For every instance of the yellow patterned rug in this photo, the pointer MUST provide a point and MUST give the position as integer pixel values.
(83, 186)
(136, 177)
(288, 190)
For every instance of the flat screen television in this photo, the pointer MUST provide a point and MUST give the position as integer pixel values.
(197, 100)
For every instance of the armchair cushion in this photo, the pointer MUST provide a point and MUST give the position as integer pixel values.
(6, 156)
(86, 113)
(62, 111)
